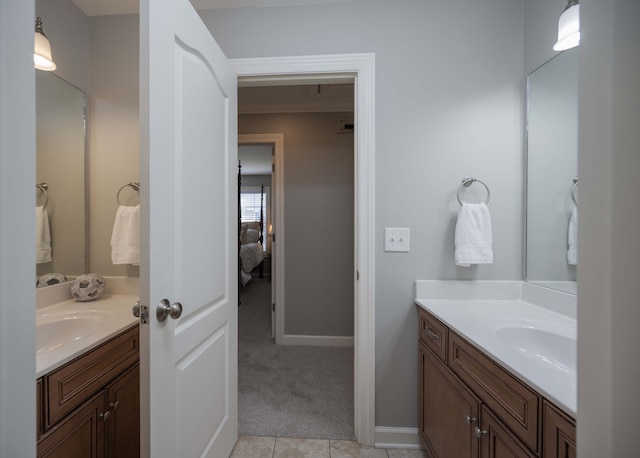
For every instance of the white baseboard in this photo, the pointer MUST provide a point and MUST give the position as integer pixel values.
(397, 438)
(318, 341)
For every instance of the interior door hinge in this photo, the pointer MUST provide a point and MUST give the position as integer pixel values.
(357, 275)
(273, 307)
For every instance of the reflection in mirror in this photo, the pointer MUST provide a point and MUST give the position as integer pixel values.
(60, 163)
(552, 163)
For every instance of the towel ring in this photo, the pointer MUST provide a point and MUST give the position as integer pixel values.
(573, 191)
(132, 184)
(43, 188)
(466, 182)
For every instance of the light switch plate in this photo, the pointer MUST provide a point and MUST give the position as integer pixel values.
(396, 239)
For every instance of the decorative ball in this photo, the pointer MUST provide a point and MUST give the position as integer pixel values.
(87, 287)
(50, 279)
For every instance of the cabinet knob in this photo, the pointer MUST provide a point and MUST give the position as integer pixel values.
(480, 432)
(469, 419)
(105, 416)
(114, 405)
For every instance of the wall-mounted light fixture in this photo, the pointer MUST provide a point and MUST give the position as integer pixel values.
(42, 59)
(569, 27)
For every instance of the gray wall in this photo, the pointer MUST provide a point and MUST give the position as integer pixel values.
(318, 200)
(113, 124)
(449, 88)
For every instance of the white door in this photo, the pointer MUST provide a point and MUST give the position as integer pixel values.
(188, 158)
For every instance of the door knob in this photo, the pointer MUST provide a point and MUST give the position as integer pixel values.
(136, 310)
(164, 310)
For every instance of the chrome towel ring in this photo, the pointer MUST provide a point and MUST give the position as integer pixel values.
(466, 182)
(132, 184)
(43, 188)
(573, 191)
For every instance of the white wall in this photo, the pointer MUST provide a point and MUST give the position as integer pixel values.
(609, 249)
(113, 128)
(449, 86)
(17, 231)
(318, 200)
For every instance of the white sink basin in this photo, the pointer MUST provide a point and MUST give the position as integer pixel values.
(57, 329)
(543, 346)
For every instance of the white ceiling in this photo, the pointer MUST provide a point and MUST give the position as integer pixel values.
(107, 7)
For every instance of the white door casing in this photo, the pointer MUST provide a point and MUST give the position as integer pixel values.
(277, 212)
(188, 196)
(358, 68)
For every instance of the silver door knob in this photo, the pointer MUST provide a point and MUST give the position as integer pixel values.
(136, 310)
(165, 310)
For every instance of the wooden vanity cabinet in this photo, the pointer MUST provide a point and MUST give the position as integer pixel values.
(91, 405)
(559, 433)
(123, 426)
(448, 410)
(470, 406)
(497, 440)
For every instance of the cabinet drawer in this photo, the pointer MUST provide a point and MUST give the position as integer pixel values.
(433, 334)
(69, 386)
(515, 404)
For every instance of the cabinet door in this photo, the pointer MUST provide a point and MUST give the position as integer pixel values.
(559, 434)
(498, 441)
(447, 410)
(123, 426)
(80, 435)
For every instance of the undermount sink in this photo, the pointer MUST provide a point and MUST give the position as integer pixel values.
(57, 329)
(549, 347)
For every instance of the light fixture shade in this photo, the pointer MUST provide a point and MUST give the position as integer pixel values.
(42, 59)
(568, 27)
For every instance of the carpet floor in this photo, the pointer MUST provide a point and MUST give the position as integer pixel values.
(289, 391)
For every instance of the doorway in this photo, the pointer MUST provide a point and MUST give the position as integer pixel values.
(358, 69)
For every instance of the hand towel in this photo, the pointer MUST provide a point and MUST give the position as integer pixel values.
(125, 239)
(572, 237)
(43, 236)
(473, 236)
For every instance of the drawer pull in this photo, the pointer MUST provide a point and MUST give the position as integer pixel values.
(115, 405)
(469, 419)
(480, 432)
(105, 416)
(432, 334)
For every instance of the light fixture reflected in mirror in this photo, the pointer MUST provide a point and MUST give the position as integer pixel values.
(569, 27)
(42, 59)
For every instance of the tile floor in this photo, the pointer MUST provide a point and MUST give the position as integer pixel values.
(281, 447)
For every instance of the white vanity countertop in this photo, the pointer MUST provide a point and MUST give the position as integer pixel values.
(488, 322)
(68, 329)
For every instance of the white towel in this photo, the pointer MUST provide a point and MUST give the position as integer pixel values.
(43, 236)
(572, 237)
(473, 236)
(125, 239)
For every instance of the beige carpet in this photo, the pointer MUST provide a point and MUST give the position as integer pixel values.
(289, 391)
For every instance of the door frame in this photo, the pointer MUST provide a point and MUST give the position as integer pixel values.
(277, 188)
(360, 69)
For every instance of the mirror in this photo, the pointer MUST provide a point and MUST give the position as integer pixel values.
(60, 164)
(551, 166)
